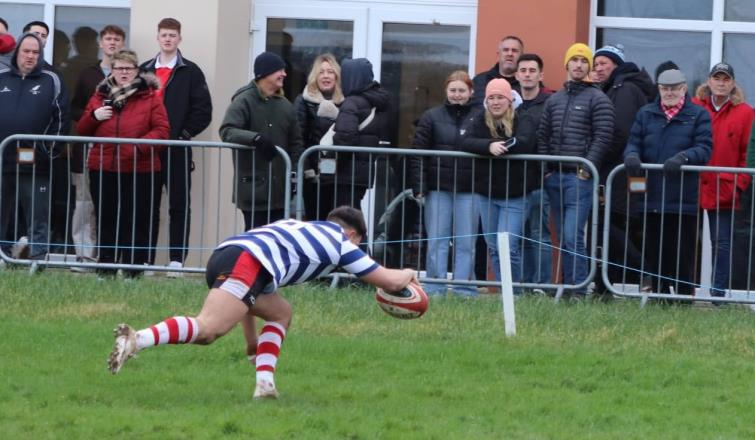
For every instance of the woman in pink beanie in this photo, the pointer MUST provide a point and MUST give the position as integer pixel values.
(502, 184)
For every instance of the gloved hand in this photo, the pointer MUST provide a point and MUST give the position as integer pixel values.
(264, 146)
(673, 164)
(632, 163)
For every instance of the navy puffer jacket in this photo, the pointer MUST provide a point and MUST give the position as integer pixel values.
(577, 121)
(654, 139)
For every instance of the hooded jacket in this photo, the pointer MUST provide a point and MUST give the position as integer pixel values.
(577, 121)
(362, 94)
(731, 124)
(143, 116)
(35, 103)
(251, 113)
(186, 98)
(654, 139)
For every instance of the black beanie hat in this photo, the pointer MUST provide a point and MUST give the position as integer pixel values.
(267, 63)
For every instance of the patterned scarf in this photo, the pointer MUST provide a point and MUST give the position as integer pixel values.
(674, 109)
(119, 94)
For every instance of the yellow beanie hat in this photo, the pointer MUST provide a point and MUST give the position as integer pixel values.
(578, 49)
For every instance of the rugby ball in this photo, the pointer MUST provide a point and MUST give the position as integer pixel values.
(408, 303)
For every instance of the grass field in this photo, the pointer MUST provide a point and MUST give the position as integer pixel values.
(580, 371)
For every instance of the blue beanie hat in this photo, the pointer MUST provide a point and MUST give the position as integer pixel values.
(613, 52)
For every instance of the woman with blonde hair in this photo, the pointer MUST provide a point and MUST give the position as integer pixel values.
(448, 186)
(502, 185)
(316, 111)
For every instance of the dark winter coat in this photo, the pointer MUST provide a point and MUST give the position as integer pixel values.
(362, 94)
(315, 117)
(251, 113)
(506, 179)
(142, 117)
(577, 121)
(36, 103)
(186, 97)
(731, 126)
(654, 139)
(482, 79)
(628, 88)
(442, 128)
(86, 85)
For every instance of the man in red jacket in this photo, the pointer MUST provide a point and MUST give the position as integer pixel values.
(720, 193)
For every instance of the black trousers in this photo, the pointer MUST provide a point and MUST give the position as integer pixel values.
(177, 166)
(671, 250)
(125, 205)
(253, 219)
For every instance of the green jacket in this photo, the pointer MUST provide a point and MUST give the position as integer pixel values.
(258, 186)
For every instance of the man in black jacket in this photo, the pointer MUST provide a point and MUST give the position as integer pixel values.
(32, 101)
(509, 50)
(187, 100)
(629, 88)
(576, 121)
(536, 251)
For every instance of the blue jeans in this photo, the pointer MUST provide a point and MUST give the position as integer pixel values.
(504, 215)
(446, 211)
(571, 201)
(720, 237)
(537, 251)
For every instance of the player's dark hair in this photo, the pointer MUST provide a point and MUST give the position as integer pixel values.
(5, 23)
(349, 217)
(36, 23)
(531, 57)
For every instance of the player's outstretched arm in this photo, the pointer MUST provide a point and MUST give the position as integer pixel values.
(390, 280)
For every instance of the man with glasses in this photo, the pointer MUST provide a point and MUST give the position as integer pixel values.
(675, 132)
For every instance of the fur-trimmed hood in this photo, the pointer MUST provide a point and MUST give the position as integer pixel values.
(736, 96)
(148, 82)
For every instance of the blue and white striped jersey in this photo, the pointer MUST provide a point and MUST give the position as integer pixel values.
(294, 251)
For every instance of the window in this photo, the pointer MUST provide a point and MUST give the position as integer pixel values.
(695, 36)
(18, 14)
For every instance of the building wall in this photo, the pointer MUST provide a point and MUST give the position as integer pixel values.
(215, 36)
(547, 27)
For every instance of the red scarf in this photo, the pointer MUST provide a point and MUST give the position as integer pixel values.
(673, 110)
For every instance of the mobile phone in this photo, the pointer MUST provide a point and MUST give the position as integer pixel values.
(107, 102)
(508, 143)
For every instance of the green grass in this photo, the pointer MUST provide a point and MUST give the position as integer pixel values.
(583, 371)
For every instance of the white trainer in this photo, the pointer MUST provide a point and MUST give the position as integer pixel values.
(20, 249)
(265, 390)
(175, 265)
(124, 348)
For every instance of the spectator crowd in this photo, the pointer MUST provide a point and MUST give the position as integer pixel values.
(609, 112)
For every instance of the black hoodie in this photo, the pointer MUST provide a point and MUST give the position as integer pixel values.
(362, 94)
(629, 88)
(35, 103)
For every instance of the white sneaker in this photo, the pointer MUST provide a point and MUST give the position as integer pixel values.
(265, 390)
(20, 250)
(175, 265)
(124, 349)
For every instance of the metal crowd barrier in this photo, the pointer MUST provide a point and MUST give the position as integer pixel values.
(44, 216)
(633, 266)
(383, 188)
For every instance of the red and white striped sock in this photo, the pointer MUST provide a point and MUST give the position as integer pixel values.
(268, 349)
(175, 330)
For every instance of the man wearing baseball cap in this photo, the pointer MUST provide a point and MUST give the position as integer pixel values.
(260, 116)
(720, 193)
(674, 132)
(576, 121)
